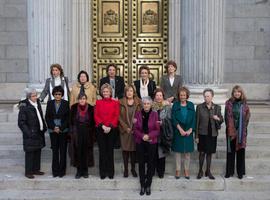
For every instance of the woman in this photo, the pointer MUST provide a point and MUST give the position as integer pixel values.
(163, 109)
(171, 82)
(183, 119)
(117, 82)
(57, 119)
(209, 120)
(82, 136)
(145, 87)
(237, 116)
(83, 86)
(106, 118)
(57, 79)
(146, 132)
(33, 127)
(129, 105)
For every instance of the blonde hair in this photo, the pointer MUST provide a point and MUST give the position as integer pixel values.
(239, 89)
(106, 86)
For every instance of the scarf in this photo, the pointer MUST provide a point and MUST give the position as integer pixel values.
(145, 119)
(38, 114)
(82, 113)
(144, 88)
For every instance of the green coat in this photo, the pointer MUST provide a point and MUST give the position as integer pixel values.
(183, 144)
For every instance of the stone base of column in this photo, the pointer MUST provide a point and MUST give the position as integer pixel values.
(220, 95)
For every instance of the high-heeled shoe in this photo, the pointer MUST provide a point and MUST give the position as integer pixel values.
(200, 174)
(177, 174)
(209, 174)
(186, 174)
(134, 173)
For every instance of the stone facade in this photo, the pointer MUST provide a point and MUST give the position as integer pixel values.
(246, 47)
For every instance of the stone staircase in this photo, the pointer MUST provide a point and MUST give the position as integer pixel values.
(256, 185)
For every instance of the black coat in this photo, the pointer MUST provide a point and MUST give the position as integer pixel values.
(33, 138)
(63, 114)
(119, 85)
(151, 88)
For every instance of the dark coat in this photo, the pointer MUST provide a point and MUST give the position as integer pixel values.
(183, 144)
(73, 131)
(46, 90)
(171, 91)
(231, 131)
(202, 119)
(151, 88)
(63, 114)
(33, 137)
(119, 85)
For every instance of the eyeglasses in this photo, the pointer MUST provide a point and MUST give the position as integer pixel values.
(57, 94)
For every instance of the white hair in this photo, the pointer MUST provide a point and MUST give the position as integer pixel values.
(29, 92)
(147, 99)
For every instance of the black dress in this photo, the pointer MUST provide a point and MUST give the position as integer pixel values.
(207, 143)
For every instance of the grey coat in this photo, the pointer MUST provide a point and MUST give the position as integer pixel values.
(202, 119)
(168, 89)
(46, 89)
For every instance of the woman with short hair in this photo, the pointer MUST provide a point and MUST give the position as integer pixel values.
(237, 116)
(83, 86)
(106, 115)
(183, 119)
(208, 122)
(145, 86)
(57, 79)
(33, 127)
(146, 130)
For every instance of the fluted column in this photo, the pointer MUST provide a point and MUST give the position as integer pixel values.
(174, 32)
(202, 42)
(59, 32)
(202, 47)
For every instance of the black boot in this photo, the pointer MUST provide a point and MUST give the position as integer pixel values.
(201, 160)
(133, 160)
(208, 166)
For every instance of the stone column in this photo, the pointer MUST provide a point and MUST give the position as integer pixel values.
(59, 32)
(175, 32)
(202, 43)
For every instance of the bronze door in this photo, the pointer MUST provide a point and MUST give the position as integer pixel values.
(129, 33)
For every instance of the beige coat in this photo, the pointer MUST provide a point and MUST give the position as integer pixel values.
(90, 91)
(127, 139)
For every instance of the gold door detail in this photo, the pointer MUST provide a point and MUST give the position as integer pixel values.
(129, 33)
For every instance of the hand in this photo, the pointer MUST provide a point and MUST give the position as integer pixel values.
(215, 117)
(197, 140)
(182, 132)
(128, 130)
(159, 122)
(145, 137)
(189, 131)
(56, 129)
(170, 99)
(134, 121)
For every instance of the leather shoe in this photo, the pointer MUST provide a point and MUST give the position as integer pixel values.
(142, 191)
(110, 177)
(125, 173)
(85, 175)
(78, 176)
(210, 176)
(30, 176)
(177, 174)
(39, 173)
(227, 176)
(148, 191)
(240, 176)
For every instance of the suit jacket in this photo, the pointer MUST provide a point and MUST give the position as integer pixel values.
(62, 114)
(119, 85)
(202, 119)
(151, 88)
(46, 90)
(169, 90)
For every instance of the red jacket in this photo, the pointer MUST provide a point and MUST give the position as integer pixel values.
(107, 112)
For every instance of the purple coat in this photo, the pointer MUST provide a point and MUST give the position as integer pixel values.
(153, 127)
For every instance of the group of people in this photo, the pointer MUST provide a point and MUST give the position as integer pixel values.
(148, 122)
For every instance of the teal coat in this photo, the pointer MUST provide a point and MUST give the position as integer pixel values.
(183, 144)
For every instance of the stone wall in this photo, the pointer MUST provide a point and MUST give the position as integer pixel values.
(13, 47)
(247, 45)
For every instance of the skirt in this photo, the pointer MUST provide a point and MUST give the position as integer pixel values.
(207, 144)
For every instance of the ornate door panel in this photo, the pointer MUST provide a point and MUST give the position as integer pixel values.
(129, 33)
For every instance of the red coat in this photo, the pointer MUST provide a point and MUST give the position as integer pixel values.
(107, 112)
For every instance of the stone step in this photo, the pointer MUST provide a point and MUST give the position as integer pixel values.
(130, 195)
(168, 183)
(253, 139)
(16, 151)
(253, 166)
